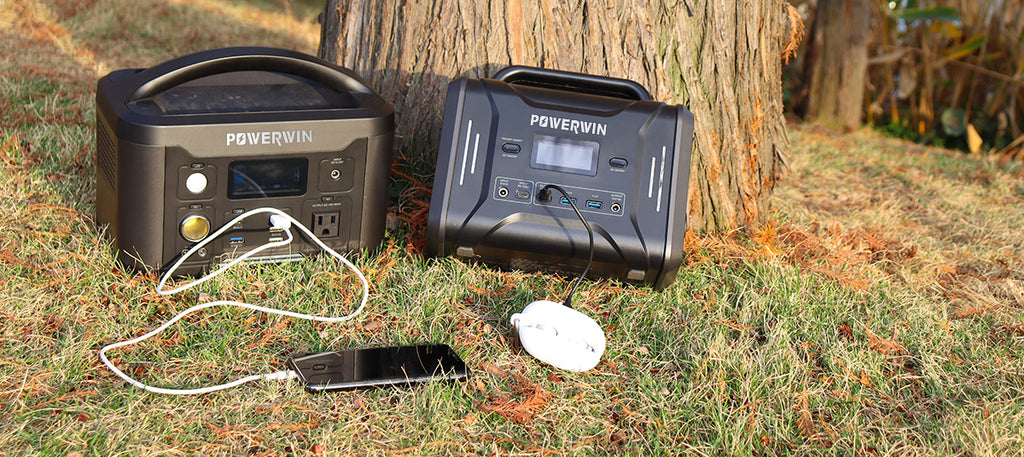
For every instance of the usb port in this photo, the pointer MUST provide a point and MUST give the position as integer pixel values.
(235, 240)
(594, 204)
(565, 201)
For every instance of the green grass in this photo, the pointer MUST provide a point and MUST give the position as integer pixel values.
(880, 313)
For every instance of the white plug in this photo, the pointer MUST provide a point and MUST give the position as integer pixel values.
(560, 336)
(280, 222)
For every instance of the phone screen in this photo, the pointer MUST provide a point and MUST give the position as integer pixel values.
(384, 366)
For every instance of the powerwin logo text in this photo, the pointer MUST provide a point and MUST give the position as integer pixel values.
(569, 125)
(279, 138)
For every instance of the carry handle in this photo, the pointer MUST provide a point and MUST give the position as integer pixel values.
(187, 68)
(576, 82)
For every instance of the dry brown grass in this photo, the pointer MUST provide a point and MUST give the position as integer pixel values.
(945, 225)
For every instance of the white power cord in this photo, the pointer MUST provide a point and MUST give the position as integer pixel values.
(279, 220)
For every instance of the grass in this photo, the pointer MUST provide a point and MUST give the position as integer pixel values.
(879, 314)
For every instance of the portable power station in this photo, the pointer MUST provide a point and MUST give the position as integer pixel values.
(186, 145)
(623, 159)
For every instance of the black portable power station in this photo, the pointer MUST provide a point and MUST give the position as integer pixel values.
(185, 146)
(623, 158)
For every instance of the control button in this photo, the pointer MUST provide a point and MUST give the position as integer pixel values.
(195, 227)
(618, 162)
(196, 183)
(238, 211)
(195, 206)
(327, 198)
(510, 148)
(197, 166)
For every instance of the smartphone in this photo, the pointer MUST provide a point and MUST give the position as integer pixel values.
(378, 367)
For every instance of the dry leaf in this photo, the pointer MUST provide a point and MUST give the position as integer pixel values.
(845, 331)
(531, 400)
(884, 346)
(973, 139)
(804, 421)
(494, 370)
(865, 380)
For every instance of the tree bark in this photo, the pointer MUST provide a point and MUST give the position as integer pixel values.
(838, 62)
(720, 59)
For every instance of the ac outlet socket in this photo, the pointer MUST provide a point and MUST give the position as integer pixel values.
(326, 224)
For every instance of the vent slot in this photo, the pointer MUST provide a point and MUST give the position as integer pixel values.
(106, 154)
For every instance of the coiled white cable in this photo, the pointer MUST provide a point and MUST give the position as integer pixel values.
(278, 220)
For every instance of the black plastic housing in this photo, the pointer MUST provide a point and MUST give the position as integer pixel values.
(222, 110)
(503, 139)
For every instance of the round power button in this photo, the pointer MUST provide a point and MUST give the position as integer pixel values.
(195, 227)
(196, 183)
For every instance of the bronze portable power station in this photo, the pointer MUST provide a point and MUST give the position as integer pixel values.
(621, 157)
(186, 145)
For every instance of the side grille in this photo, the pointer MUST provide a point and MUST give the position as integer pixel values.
(106, 155)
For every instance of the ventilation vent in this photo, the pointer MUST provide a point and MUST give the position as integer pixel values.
(106, 155)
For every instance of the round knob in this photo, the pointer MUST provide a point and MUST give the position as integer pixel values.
(195, 227)
(196, 183)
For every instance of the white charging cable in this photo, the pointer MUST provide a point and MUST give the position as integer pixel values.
(279, 220)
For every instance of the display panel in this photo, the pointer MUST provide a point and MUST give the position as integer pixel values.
(267, 178)
(563, 154)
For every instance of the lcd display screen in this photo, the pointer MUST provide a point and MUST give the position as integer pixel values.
(563, 154)
(267, 178)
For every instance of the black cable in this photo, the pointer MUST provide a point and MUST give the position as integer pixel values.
(590, 232)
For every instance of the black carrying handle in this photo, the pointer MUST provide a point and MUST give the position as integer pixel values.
(178, 71)
(576, 82)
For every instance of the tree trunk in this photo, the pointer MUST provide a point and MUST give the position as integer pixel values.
(720, 59)
(838, 62)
